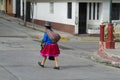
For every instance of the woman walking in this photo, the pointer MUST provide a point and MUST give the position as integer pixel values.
(50, 48)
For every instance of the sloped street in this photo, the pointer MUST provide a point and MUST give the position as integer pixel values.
(19, 55)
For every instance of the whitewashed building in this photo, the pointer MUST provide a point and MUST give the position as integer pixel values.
(72, 16)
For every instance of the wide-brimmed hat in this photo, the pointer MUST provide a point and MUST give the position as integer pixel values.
(47, 24)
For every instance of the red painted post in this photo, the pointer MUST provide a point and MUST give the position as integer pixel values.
(101, 43)
(110, 44)
(102, 32)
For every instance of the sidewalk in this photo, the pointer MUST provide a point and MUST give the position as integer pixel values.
(107, 56)
(64, 36)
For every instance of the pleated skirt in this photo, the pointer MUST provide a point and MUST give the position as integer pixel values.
(50, 50)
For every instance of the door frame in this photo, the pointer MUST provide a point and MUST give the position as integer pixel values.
(18, 8)
(84, 23)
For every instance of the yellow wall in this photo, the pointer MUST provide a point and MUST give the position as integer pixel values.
(2, 6)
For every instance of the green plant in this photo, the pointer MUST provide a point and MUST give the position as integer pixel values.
(106, 34)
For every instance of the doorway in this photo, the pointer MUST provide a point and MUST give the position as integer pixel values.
(28, 11)
(18, 8)
(82, 18)
(9, 7)
(28, 7)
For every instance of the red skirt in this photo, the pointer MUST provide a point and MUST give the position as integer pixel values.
(50, 50)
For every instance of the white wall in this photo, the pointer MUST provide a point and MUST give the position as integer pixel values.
(21, 7)
(42, 12)
(105, 11)
(14, 6)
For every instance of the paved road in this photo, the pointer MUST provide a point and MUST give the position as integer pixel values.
(19, 54)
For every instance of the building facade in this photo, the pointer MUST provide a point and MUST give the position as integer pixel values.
(72, 16)
(9, 7)
(2, 6)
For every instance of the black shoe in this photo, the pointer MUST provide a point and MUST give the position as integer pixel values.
(57, 68)
(39, 63)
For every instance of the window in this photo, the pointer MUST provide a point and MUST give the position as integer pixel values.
(94, 11)
(52, 7)
(115, 11)
(90, 11)
(98, 11)
(69, 13)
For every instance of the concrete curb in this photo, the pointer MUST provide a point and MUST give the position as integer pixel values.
(95, 57)
(90, 39)
(105, 59)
